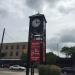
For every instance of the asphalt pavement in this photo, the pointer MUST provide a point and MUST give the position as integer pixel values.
(6, 71)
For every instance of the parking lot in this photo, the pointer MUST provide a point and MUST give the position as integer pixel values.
(5, 71)
(11, 73)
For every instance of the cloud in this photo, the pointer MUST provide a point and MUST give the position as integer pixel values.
(66, 6)
(35, 4)
(16, 7)
(3, 13)
(68, 36)
(65, 38)
(53, 43)
(16, 14)
(52, 3)
(63, 6)
(14, 17)
(64, 10)
(39, 5)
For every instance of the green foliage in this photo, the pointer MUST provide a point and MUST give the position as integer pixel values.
(69, 51)
(66, 50)
(51, 58)
(24, 57)
(44, 70)
(2, 55)
(49, 70)
(55, 70)
(72, 50)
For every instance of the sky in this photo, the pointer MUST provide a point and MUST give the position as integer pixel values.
(60, 16)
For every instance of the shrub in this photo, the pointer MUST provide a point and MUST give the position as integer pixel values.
(44, 70)
(49, 70)
(55, 70)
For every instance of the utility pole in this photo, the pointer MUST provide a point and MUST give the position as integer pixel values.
(1, 45)
(58, 48)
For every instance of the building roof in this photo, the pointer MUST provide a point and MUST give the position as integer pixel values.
(15, 42)
(38, 15)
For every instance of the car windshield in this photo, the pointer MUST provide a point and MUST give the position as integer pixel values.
(16, 65)
(67, 68)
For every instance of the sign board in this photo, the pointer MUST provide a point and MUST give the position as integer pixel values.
(35, 51)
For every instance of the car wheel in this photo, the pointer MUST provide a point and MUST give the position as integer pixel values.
(65, 73)
(19, 68)
(11, 69)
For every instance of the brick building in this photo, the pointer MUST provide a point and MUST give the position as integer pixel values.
(14, 50)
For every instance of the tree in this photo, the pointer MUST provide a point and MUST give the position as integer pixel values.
(72, 53)
(69, 51)
(24, 57)
(51, 58)
(2, 54)
(66, 50)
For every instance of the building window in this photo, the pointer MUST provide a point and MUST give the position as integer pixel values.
(11, 53)
(17, 47)
(1, 47)
(6, 47)
(23, 46)
(12, 47)
(17, 53)
(5, 53)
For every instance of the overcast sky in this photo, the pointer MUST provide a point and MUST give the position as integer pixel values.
(60, 16)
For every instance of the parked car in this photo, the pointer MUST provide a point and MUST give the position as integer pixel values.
(68, 70)
(16, 67)
(5, 66)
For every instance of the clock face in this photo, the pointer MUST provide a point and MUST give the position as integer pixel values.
(36, 22)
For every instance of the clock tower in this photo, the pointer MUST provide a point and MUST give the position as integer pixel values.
(37, 39)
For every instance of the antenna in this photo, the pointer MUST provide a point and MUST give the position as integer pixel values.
(38, 12)
(58, 48)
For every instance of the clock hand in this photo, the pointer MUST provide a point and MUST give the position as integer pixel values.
(37, 21)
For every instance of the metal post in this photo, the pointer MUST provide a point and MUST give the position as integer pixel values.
(28, 57)
(32, 69)
(2, 40)
(27, 70)
(27, 66)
